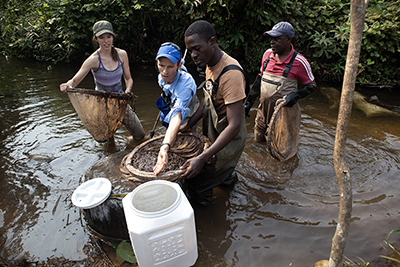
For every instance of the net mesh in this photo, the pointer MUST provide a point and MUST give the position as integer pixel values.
(284, 130)
(100, 112)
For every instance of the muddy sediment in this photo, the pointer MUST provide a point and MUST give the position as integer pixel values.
(185, 147)
(146, 160)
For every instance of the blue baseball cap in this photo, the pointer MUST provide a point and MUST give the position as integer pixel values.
(170, 51)
(280, 29)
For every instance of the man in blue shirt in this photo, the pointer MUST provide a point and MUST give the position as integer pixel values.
(178, 101)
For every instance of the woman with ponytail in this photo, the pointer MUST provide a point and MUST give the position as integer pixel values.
(108, 64)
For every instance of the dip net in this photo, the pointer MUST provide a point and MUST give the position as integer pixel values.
(138, 164)
(101, 112)
(284, 131)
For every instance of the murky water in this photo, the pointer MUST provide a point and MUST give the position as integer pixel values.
(278, 214)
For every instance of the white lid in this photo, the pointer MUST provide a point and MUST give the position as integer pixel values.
(91, 193)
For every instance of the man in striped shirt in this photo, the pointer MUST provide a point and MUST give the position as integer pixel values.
(281, 70)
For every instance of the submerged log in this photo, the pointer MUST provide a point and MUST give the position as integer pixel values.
(332, 94)
(371, 109)
(360, 102)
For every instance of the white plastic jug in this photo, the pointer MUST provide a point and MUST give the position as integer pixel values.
(161, 225)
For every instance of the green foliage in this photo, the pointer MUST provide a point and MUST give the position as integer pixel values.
(396, 230)
(325, 33)
(392, 247)
(125, 252)
(353, 263)
(328, 32)
(379, 59)
(62, 30)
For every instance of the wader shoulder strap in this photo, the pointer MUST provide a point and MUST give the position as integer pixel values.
(288, 66)
(266, 62)
(167, 97)
(227, 68)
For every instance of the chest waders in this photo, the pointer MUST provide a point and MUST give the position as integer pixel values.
(132, 124)
(224, 161)
(273, 87)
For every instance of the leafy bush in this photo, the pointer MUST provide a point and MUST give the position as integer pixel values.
(62, 30)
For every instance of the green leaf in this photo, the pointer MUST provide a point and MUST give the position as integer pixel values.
(392, 259)
(393, 231)
(125, 252)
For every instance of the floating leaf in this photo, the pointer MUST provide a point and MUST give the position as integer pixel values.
(125, 252)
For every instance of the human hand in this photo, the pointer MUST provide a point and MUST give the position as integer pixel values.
(247, 108)
(128, 91)
(64, 86)
(193, 167)
(162, 160)
(290, 99)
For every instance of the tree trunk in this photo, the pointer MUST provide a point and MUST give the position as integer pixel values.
(357, 16)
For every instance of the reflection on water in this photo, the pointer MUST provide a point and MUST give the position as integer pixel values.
(283, 214)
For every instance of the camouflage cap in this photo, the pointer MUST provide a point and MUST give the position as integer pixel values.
(102, 27)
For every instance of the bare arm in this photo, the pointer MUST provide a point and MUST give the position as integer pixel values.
(169, 138)
(91, 62)
(234, 117)
(127, 72)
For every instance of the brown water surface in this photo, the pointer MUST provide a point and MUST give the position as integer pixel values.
(278, 214)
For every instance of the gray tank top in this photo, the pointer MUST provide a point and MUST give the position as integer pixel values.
(108, 80)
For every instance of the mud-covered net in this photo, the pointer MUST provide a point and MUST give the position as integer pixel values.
(101, 112)
(138, 165)
(284, 131)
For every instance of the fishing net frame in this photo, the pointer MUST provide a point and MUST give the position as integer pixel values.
(283, 131)
(186, 146)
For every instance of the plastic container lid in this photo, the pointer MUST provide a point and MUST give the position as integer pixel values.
(91, 193)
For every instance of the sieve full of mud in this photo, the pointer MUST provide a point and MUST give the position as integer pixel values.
(138, 164)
